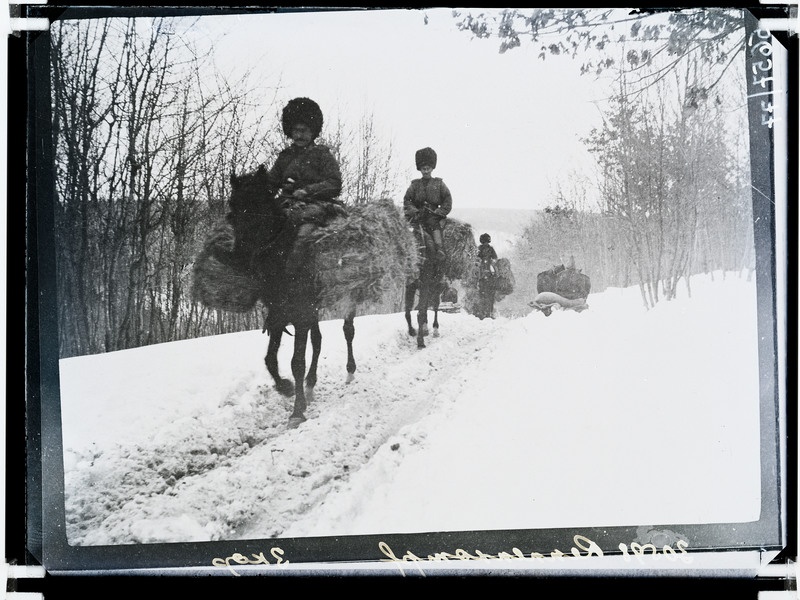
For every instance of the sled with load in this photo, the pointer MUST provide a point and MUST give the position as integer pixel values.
(448, 301)
(561, 288)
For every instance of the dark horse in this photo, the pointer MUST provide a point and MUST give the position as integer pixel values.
(428, 285)
(487, 286)
(264, 239)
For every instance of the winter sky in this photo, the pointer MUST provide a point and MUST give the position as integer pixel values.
(506, 127)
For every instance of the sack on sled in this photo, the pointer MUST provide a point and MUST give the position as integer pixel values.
(361, 256)
(217, 282)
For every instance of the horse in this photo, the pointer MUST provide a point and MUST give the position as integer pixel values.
(411, 289)
(487, 286)
(428, 285)
(264, 239)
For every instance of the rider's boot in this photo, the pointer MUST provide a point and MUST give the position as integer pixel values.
(438, 245)
(299, 251)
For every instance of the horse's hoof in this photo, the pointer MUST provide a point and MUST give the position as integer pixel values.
(421, 344)
(285, 387)
(350, 377)
(295, 422)
(424, 330)
(412, 332)
(435, 333)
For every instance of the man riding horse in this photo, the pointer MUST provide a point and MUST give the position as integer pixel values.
(272, 213)
(307, 177)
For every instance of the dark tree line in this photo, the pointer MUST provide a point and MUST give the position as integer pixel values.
(147, 133)
(141, 151)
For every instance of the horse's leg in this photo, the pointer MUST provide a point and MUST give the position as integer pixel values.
(411, 291)
(425, 295)
(284, 386)
(349, 333)
(436, 316)
(316, 347)
(490, 287)
(422, 316)
(299, 371)
(481, 312)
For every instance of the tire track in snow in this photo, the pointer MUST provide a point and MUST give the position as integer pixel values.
(243, 474)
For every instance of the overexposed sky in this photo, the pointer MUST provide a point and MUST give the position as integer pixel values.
(506, 127)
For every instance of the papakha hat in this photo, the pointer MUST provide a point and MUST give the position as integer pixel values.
(425, 156)
(302, 110)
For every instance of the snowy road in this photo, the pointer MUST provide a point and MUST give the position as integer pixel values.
(534, 422)
(243, 443)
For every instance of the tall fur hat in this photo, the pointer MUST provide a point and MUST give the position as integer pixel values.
(485, 238)
(426, 156)
(302, 110)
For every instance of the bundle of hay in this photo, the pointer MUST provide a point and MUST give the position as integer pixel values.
(504, 279)
(216, 281)
(361, 256)
(460, 250)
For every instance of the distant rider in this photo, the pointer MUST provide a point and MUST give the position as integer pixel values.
(428, 200)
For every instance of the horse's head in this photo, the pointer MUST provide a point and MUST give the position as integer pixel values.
(258, 221)
(251, 194)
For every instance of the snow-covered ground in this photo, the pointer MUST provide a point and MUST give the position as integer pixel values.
(612, 416)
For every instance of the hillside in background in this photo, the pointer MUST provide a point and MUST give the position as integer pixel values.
(503, 224)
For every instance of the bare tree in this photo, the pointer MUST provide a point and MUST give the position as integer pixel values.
(147, 133)
(664, 159)
(671, 195)
(80, 111)
(369, 171)
(663, 38)
(145, 145)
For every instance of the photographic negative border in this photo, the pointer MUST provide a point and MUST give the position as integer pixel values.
(46, 537)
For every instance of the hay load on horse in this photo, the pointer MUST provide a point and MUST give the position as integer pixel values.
(485, 289)
(218, 282)
(504, 279)
(351, 262)
(430, 279)
(491, 280)
(460, 250)
(360, 257)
